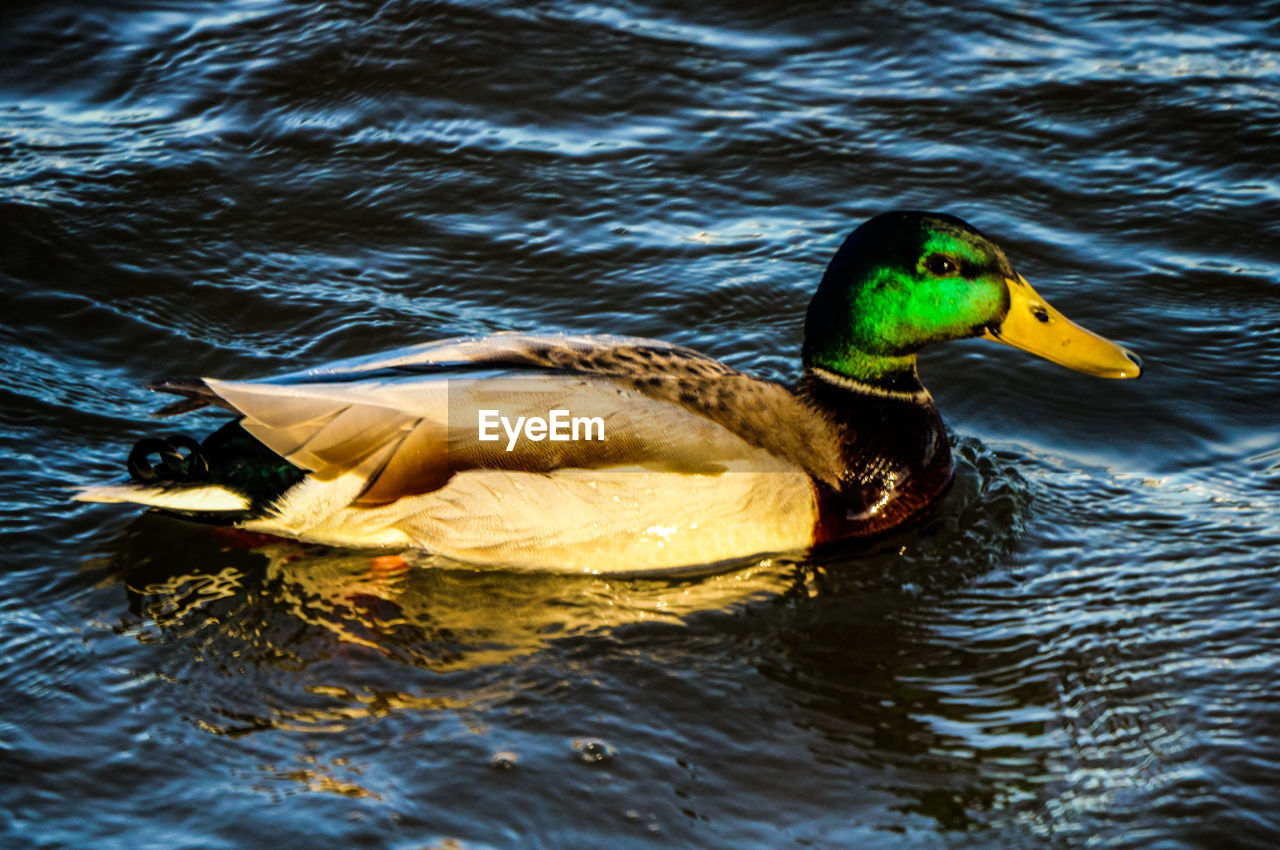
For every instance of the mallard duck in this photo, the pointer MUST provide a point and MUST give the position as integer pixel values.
(609, 453)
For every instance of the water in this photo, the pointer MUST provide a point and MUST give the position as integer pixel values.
(1083, 646)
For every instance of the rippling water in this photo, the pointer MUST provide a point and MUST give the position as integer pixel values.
(1083, 645)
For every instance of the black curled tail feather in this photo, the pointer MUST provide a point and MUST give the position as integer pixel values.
(179, 459)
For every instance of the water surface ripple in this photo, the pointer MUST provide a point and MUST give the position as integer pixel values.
(1082, 646)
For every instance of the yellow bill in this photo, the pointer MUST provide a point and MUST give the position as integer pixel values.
(1032, 325)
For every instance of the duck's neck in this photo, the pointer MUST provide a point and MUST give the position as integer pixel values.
(893, 445)
(854, 351)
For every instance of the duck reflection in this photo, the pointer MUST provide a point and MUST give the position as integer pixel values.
(273, 599)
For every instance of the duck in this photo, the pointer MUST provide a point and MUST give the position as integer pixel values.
(615, 454)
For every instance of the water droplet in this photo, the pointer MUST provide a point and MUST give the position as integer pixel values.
(592, 751)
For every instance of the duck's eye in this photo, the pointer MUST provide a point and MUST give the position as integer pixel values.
(940, 265)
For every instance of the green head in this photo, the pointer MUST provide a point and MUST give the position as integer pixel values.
(906, 279)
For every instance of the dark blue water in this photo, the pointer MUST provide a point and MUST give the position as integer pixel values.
(1083, 646)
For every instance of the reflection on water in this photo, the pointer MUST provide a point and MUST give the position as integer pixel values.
(406, 606)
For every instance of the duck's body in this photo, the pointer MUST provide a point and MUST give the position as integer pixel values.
(669, 459)
(698, 463)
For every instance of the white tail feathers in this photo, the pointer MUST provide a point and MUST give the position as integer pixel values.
(202, 498)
